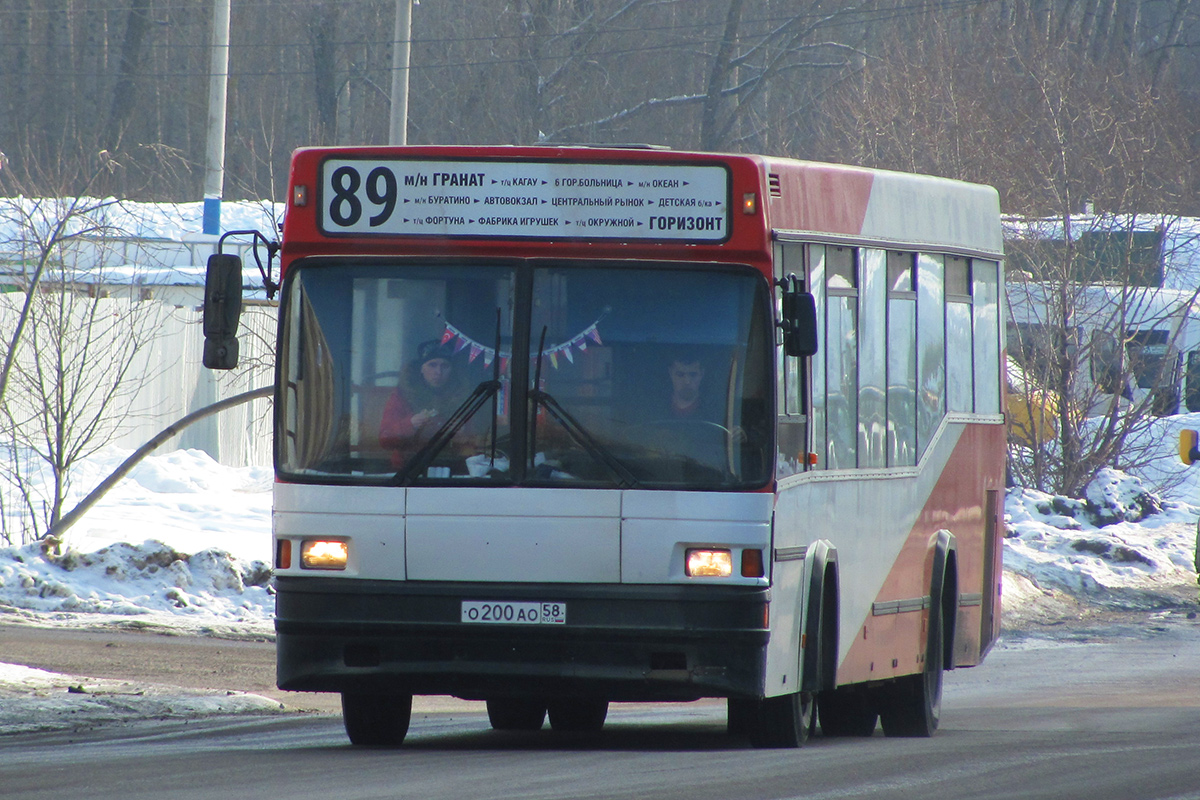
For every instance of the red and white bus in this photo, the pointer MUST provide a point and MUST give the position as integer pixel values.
(557, 427)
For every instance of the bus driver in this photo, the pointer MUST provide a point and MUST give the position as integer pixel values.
(691, 400)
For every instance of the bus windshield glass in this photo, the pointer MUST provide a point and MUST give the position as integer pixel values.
(635, 377)
(649, 377)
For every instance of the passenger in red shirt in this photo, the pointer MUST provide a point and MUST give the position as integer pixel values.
(429, 391)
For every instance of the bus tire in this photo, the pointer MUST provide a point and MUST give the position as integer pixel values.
(516, 713)
(740, 715)
(847, 712)
(783, 722)
(376, 720)
(577, 715)
(912, 707)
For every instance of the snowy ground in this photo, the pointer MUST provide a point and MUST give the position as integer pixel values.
(35, 700)
(184, 544)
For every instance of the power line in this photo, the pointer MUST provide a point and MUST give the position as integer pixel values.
(848, 16)
(851, 18)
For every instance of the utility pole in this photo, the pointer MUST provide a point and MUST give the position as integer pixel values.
(214, 171)
(401, 54)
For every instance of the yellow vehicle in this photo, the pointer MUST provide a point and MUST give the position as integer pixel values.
(1032, 416)
(1032, 412)
(1189, 453)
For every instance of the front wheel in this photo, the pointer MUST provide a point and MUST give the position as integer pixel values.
(516, 713)
(784, 721)
(577, 715)
(376, 720)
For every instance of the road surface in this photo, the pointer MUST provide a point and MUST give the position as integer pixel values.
(1091, 714)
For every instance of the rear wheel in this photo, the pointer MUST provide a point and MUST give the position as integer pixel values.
(845, 712)
(913, 705)
(516, 713)
(376, 720)
(783, 721)
(577, 715)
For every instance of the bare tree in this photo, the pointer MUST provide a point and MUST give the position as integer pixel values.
(764, 75)
(75, 356)
(137, 26)
(1053, 137)
(738, 54)
(43, 227)
(1099, 346)
(74, 383)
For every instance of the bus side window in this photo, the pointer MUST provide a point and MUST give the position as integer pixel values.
(960, 374)
(793, 421)
(986, 315)
(841, 356)
(872, 360)
(1106, 362)
(1191, 386)
(793, 264)
(901, 360)
(931, 347)
(816, 282)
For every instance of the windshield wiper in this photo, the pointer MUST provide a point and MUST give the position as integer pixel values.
(625, 478)
(442, 436)
(453, 424)
(496, 393)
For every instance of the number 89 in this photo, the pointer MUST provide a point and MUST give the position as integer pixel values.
(345, 208)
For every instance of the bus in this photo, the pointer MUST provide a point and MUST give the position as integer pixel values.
(1137, 346)
(557, 427)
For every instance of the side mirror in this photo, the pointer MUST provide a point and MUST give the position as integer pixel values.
(222, 309)
(799, 322)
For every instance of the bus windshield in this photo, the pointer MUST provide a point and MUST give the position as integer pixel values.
(606, 376)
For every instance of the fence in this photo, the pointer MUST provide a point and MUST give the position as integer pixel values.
(129, 391)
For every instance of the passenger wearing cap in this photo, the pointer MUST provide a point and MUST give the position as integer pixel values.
(429, 391)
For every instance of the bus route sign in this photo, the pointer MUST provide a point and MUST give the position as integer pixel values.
(526, 199)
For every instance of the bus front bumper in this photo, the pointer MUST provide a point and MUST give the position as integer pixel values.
(631, 643)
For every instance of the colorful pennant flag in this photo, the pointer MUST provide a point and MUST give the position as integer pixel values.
(476, 349)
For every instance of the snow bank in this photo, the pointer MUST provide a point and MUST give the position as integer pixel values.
(49, 701)
(182, 542)
(1122, 547)
(133, 579)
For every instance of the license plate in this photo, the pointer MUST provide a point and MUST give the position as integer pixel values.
(504, 613)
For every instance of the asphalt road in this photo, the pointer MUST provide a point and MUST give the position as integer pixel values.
(1097, 714)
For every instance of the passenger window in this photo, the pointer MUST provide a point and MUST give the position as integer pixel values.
(960, 375)
(985, 303)
(872, 360)
(931, 347)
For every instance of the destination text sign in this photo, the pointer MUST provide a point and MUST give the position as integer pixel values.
(527, 199)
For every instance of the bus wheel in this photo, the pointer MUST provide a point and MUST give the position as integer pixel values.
(577, 715)
(378, 720)
(913, 705)
(516, 713)
(783, 721)
(845, 712)
(740, 716)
